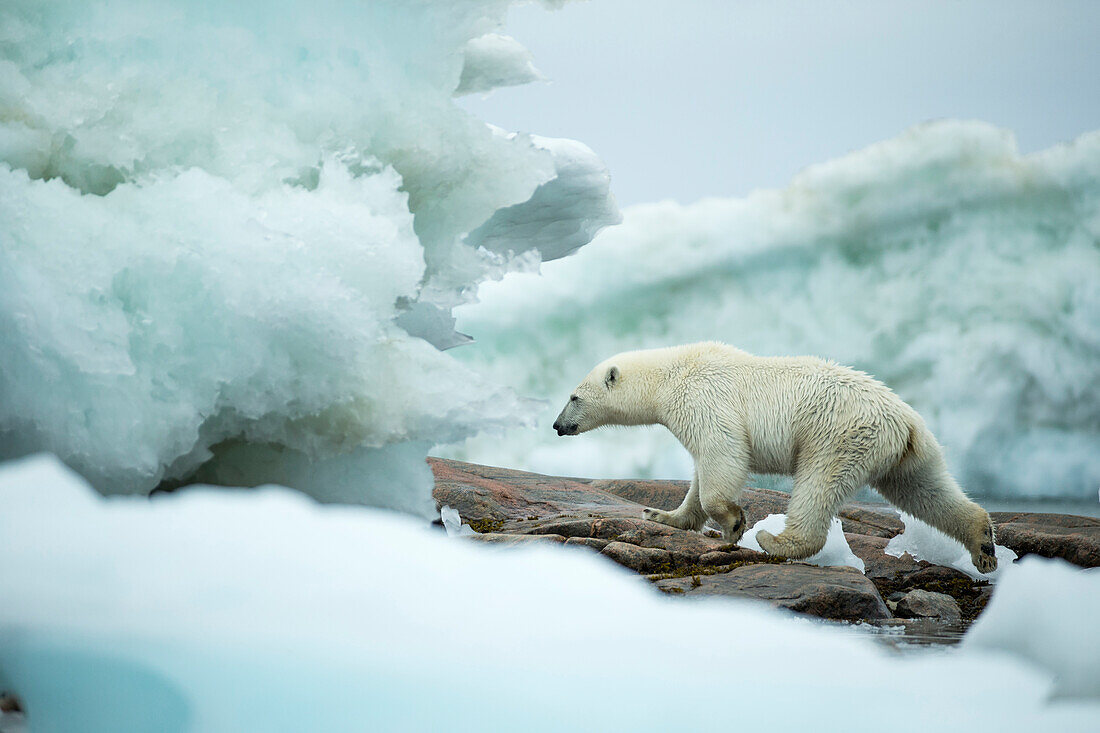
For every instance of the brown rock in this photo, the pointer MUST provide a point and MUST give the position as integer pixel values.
(875, 520)
(500, 494)
(1072, 538)
(833, 593)
(499, 538)
(594, 543)
(641, 559)
(925, 604)
(877, 564)
(728, 557)
(936, 574)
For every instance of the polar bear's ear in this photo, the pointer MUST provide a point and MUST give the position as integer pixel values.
(612, 377)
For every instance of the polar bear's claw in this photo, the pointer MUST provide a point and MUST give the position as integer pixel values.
(985, 561)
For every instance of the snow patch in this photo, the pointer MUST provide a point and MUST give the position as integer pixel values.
(924, 542)
(836, 551)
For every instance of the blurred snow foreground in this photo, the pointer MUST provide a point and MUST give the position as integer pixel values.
(222, 610)
(231, 235)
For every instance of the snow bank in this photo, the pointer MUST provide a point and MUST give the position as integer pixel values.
(1044, 611)
(925, 542)
(228, 610)
(835, 552)
(231, 236)
(943, 261)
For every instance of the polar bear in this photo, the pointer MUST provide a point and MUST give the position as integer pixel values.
(833, 428)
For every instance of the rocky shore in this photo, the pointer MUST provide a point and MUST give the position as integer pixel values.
(916, 599)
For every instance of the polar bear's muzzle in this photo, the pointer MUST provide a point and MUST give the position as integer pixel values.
(566, 428)
(568, 422)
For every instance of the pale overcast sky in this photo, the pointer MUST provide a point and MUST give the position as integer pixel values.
(689, 98)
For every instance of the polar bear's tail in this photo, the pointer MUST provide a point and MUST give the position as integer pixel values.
(921, 485)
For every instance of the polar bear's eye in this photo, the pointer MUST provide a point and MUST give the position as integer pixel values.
(572, 398)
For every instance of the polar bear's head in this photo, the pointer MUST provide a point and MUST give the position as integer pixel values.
(588, 406)
(619, 391)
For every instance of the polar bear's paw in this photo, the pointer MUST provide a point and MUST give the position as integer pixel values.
(656, 515)
(768, 543)
(983, 553)
(985, 563)
(733, 533)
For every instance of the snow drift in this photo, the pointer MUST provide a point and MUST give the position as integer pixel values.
(958, 271)
(231, 235)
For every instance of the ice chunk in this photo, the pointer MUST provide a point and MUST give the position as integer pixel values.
(452, 522)
(230, 234)
(262, 610)
(493, 61)
(563, 214)
(924, 542)
(835, 552)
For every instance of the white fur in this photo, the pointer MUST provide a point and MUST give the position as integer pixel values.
(833, 428)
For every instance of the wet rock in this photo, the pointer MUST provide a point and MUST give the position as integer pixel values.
(925, 604)
(1069, 537)
(833, 593)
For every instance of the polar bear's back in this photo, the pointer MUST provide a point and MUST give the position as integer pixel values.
(787, 403)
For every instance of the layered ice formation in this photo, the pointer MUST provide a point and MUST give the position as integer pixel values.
(231, 235)
(958, 271)
(259, 610)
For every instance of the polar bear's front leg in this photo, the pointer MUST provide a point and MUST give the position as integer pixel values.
(689, 515)
(721, 481)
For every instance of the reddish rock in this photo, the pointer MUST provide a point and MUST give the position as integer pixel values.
(875, 520)
(500, 538)
(641, 559)
(1072, 538)
(489, 493)
(877, 564)
(833, 593)
(594, 543)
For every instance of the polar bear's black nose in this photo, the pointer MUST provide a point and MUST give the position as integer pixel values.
(557, 427)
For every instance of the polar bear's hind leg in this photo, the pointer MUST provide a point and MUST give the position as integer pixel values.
(923, 487)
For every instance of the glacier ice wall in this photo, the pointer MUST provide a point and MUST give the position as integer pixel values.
(962, 273)
(231, 236)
